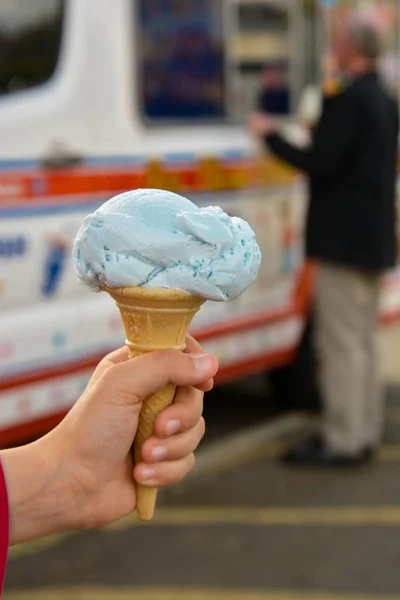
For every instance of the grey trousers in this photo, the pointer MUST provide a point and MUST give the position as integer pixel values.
(347, 349)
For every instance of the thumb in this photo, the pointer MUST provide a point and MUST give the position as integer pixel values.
(133, 380)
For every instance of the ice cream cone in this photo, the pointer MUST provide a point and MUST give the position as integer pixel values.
(154, 319)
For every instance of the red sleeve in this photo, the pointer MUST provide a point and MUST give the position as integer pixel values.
(3, 527)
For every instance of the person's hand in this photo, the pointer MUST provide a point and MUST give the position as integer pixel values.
(261, 124)
(110, 409)
(83, 470)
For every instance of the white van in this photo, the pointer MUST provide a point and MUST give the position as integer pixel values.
(97, 97)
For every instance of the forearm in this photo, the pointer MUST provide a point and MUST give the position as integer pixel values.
(39, 502)
(295, 157)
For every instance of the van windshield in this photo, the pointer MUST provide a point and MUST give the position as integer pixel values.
(30, 40)
(182, 62)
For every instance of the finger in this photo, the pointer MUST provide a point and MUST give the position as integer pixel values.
(133, 380)
(118, 356)
(115, 357)
(194, 347)
(122, 355)
(183, 414)
(163, 473)
(155, 450)
(207, 386)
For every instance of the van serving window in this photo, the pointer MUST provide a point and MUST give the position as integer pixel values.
(262, 52)
(30, 39)
(182, 63)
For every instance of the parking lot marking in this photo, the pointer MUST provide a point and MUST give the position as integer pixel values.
(185, 594)
(356, 516)
(269, 516)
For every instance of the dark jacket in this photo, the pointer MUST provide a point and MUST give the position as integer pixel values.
(352, 166)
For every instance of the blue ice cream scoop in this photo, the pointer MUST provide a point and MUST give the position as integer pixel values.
(158, 239)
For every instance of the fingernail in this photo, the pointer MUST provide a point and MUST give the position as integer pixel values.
(148, 473)
(158, 453)
(202, 362)
(172, 427)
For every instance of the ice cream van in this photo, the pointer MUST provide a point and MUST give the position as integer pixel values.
(98, 97)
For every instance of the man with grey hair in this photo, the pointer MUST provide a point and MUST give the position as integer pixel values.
(351, 233)
(365, 35)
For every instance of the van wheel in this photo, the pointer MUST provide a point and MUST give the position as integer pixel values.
(295, 387)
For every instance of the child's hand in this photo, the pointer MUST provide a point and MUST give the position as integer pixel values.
(83, 473)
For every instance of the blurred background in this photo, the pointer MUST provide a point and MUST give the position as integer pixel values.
(97, 97)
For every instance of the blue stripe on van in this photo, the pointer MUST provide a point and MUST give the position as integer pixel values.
(134, 160)
(52, 209)
(180, 157)
(97, 161)
(18, 164)
(65, 207)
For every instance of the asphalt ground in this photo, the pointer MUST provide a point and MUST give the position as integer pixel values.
(244, 526)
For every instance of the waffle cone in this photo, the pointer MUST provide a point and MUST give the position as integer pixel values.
(153, 319)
